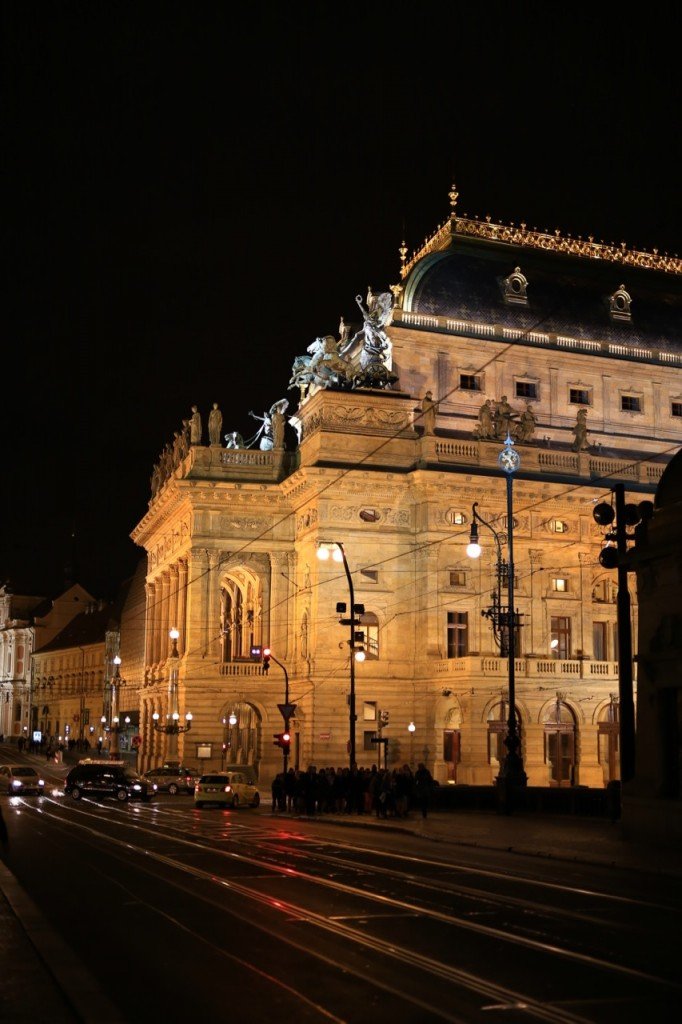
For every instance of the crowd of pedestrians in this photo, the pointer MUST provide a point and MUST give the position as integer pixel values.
(387, 793)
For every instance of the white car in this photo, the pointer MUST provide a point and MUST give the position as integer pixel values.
(232, 789)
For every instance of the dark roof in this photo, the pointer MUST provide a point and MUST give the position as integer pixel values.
(89, 627)
(566, 294)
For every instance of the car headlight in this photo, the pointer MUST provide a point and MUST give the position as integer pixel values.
(154, 786)
(41, 782)
(228, 789)
(137, 786)
(16, 783)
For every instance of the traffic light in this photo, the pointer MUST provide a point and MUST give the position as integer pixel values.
(266, 659)
(283, 740)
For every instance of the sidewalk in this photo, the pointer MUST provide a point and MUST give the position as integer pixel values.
(553, 837)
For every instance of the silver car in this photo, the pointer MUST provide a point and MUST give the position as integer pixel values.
(18, 779)
(173, 778)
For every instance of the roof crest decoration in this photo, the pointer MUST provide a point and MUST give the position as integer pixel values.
(533, 239)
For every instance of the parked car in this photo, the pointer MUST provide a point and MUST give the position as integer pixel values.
(228, 788)
(107, 778)
(18, 779)
(173, 778)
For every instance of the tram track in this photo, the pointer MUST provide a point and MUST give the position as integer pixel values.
(151, 826)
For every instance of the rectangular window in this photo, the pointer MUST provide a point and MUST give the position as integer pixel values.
(369, 711)
(600, 641)
(561, 636)
(458, 630)
(676, 409)
(368, 745)
(370, 575)
(469, 382)
(560, 584)
(630, 403)
(526, 389)
(579, 396)
(458, 578)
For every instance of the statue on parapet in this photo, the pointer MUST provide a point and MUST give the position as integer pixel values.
(375, 356)
(270, 434)
(322, 367)
(580, 431)
(234, 440)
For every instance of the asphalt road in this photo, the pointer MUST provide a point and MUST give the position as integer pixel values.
(175, 914)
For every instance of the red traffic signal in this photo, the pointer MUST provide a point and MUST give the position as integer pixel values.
(283, 740)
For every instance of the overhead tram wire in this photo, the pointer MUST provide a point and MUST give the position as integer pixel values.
(378, 448)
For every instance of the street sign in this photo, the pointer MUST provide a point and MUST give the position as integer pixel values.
(287, 710)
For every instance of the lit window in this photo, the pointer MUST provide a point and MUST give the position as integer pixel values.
(579, 396)
(469, 382)
(458, 634)
(526, 389)
(455, 518)
(458, 578)
(369, 711)
(369, 626)
(630, 403)
(560, 584)
(558, 526)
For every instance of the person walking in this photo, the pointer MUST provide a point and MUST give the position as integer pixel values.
(423, 785)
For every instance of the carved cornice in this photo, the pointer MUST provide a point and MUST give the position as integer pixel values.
(520, 235)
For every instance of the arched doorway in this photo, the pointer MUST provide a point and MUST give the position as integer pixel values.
(241, 744)
(452, 743)
(560, 730)
(498, 727)
(609, 740)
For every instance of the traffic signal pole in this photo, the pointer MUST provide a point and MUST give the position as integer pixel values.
(625, 694)
(287, 710)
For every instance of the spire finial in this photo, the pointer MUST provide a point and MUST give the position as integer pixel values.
(454, 196)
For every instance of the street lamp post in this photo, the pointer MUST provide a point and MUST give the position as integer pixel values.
(115, 684)
(336, 549)
(505, 621)
(172, 728)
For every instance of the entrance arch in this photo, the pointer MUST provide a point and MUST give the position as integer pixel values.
(242, 729)
(608, 724)
(498, 728)
(560, 732)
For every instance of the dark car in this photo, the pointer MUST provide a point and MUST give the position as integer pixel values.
(18, 779)
(107, 778)
(173, 779)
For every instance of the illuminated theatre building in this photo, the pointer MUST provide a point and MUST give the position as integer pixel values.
(483, 311)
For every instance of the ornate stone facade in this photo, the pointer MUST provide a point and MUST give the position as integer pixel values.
(399, 499)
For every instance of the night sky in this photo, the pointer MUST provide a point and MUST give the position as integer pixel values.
(194, 192)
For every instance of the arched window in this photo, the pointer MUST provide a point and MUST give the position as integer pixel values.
(559, 724)
(240, 614)
(498, 727)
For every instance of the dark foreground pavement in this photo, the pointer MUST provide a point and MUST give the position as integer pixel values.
(36, 967)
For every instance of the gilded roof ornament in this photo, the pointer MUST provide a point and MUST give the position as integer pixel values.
(522, 236)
